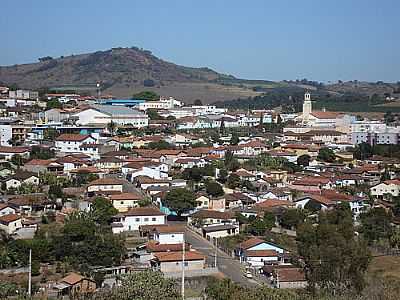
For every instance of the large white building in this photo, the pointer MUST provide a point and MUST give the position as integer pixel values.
(163, 103)
(71, 143)
(136, 217)
(104, 114)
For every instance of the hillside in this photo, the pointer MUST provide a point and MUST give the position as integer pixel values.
(125, 71)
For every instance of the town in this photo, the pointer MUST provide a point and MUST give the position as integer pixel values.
(96, 189)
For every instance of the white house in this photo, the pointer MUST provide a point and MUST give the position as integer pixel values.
(388, 187)
(5, 209)
(125, 201)
(104, 114)
(169, 234)
(10, 223)
(256, 252)
(72, 143)
(105, 186)
(136, 217)
(9, 152)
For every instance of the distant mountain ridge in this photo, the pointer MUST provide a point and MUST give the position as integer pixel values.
(122, 71)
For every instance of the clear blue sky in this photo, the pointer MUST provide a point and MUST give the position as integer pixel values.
(322, 40)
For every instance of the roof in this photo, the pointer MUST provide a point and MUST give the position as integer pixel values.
(290, 275)
(325, 114)
(213, 214)
(261, 253)
(214, 228)
(6, 219)
(73, 137)
(273, 203)
(72, 278)
(4, 149)
(126, 196)
(113, 110)
(143, 211)
(107, 181)
(251, 243)
(177, 256)
(153, 246)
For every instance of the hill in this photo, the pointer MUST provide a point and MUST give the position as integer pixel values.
(125, 71)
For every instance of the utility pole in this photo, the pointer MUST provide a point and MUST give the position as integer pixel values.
(216, 252)
(183, 267)
(30, 274)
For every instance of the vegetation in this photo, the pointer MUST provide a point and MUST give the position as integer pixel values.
(180, 200)
(335, 261)
(326, 154)
(214, 189)
(146, 95)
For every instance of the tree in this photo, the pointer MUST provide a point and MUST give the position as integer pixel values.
(197, 102)
(258, 226)
(233, 181)
(231, 163)
(55, 191)
(146, 95)
(234, 139)
(180, 200)
(111, 127)
(335, 260)
(17, 160)
(103, 210)
(146, 285)
(160, 145)
(214, 189)
(53, 103)
(292, 218)
(153, 114)
(304, 160)
(376, 224)
(363, 151)
(41, 153)
(223, 175)
(50, 134)
(327, 155)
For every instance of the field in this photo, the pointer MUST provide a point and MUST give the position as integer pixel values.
(386, 266)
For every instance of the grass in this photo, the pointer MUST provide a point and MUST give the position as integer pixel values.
(385, 266)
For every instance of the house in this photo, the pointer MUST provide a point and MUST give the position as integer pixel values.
(75, 284)
(289, 278)
(311, 184)
(105, 114)
(206, 217)
(204, 202)
(245, 175)
(386, 189)
(109, 163)
(171, 262)
(20, 178)
(125, 201)
(144, 182)
(43, 166)
(10, 223)
(9, 152)
(247, 252)
(71, 143)
(5, 209)
(190, 162)
(169, 234)
(105, 186)
(213, 232)
(136, 217)
(155, 170)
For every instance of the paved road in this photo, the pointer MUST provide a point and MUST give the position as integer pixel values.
(227, 265)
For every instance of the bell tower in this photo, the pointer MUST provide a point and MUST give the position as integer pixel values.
(307, 106)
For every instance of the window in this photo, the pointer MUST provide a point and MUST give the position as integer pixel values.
(137, 219)
(146, 219)
(122, 202)
(153, 219)
(186, 263)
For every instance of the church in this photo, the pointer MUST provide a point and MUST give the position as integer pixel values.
(326, 119)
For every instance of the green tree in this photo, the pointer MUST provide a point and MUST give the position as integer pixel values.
(258, 226)
(17, 160)
(146, 285)
(326, 154)
(146, 95)
(160, 145)
(55, 191)
(50, 134)
(214, 189)
(111, 127)
(304, 160)
(41, 153)
(153, 114)
(233, 181)
(376, 224)
(103, 210)
(335, 260)
(180, 200)
(292, 218)
(363, 151)
(234, 139)
(197, 102)
(53, 103)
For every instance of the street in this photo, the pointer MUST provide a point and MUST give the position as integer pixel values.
(227, 265)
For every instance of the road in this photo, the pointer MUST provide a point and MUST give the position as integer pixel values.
(228, 266)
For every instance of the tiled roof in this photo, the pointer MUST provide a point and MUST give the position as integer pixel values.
(177, 256)
(72, 278)
(143, 211)
(153, 246)
(290, 275)
(126, 196)
(251, 243)
(6, 219)
(72, 137)
(213, 214)
(107, 181)
(4, 149)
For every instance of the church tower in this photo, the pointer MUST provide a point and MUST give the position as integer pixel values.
(307, 107)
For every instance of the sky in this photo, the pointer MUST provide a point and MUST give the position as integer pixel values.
(322, 40)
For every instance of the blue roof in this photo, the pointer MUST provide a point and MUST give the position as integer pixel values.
(121, 101)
